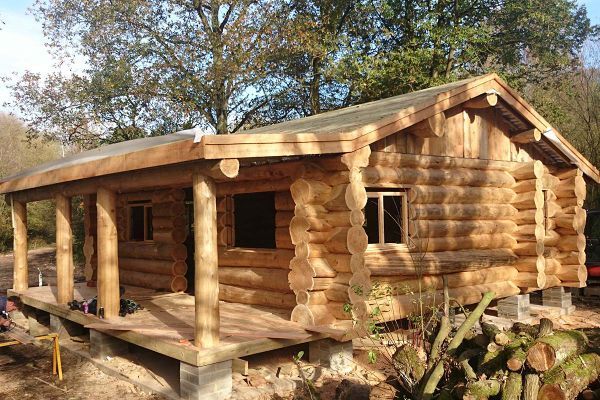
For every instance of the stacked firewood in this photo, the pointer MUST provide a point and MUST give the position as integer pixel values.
(529, 362)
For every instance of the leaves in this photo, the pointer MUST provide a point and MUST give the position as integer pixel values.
(157, 66)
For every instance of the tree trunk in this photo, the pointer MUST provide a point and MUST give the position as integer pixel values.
(570, 378)
(315, 83)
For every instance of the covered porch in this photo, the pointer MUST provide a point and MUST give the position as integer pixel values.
(166, 324)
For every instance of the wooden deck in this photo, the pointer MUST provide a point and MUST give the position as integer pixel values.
(166, 325)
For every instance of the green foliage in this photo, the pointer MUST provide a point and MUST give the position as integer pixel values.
(372, 356)
(154, 67)
(17, 153)
(571, 103)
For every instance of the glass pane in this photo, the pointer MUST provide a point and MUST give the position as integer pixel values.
(136, 223)
(372, 220)
(392, 206)
(254, 220)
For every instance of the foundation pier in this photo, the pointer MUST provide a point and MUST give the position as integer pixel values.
(209, 382)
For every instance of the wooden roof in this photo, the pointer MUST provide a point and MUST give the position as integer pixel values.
(337, 131)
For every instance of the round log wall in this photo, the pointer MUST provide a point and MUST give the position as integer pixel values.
(568, 222)
(257, 276)
(161, 263)
(330, 241)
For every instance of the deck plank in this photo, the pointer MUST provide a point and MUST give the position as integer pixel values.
(165, 325)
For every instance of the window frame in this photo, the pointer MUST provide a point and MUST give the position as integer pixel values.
(143, 203)
(380, 193)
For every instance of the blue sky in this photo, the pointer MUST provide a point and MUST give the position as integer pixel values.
(22, 42)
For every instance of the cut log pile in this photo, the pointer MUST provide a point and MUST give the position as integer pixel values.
(327, 231)
(256, 276)
(528, 362)
(161, 263)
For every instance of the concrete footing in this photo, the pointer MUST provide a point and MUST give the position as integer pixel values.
(103, 345)
(559, 297)
(64, 327)
(331, 354)
(514, 307)
(210, 382)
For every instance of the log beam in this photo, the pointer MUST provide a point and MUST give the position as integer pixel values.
(108, 253)
(178, 175)
(224, 169)
(433, 126)
(486, 100)
(528, 136)
(64, 250)
(206, 288)
(19, 221)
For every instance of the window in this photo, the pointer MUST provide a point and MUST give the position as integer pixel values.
(254, 220)
(386, 217)
(140, 221)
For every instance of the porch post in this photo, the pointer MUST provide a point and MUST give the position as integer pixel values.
(64, 250)
(206, 294)
(19, 221)
(108, 253)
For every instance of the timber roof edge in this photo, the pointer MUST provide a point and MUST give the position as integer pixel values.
(337, 131)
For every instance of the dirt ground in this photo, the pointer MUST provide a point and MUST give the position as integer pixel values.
(25, 370)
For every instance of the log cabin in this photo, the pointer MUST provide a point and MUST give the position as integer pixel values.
(288, 223)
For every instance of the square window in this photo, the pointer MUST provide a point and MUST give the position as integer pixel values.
(254, 220)
(140, 221)
(386, 217)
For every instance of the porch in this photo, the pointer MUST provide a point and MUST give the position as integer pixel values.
(166, 324)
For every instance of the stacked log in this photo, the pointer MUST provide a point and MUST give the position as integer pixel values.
(257, 276)
(531, 233)
(160, 263)
(329, 239)
(570, 192)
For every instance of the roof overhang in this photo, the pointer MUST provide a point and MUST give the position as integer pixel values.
(334, 132)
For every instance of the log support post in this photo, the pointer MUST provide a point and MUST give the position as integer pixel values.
(19, 221)
(206, 289)
(108, 253)
(558, 297)
(514, 307)
(64, 250)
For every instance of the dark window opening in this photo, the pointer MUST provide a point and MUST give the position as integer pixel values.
(386, 217)
(140, 222)
(254, 220)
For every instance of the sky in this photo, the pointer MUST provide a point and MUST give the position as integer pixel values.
(22, 42)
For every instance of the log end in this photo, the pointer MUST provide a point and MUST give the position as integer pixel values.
(179, 284)
(551, 392)
(541, 357)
